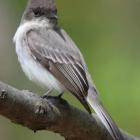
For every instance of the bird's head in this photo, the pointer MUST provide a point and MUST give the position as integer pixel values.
(39, 9)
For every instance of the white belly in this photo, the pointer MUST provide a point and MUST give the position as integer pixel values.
(34, 71)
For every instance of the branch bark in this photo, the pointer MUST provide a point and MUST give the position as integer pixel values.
(53, 114)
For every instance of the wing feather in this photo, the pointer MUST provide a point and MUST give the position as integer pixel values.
(54, 52)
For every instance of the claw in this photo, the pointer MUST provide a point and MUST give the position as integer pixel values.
(3, 94)
(40, 109)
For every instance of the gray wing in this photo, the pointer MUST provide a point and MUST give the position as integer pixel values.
(55, 51)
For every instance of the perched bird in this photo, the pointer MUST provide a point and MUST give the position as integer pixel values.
(50, 58)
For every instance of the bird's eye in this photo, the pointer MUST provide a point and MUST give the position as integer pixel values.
(37, 12)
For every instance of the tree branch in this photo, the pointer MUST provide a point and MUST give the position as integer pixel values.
(53, 114)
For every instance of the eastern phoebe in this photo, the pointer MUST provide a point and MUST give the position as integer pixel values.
(50, 58)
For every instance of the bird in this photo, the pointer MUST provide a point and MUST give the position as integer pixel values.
(51, 59)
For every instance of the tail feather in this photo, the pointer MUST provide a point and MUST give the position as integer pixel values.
(104, 116)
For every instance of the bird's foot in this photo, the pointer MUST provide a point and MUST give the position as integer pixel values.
(60, 95)
(40, 109)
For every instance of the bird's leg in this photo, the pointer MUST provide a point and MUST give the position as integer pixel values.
(47, 93)
(60, 95)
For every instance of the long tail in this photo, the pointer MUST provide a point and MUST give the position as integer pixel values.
(106, 119)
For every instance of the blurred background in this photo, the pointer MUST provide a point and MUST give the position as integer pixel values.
(108, 34)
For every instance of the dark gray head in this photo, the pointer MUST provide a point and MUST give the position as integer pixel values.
(40, 8)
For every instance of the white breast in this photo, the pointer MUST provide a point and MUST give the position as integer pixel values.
(34, 71)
